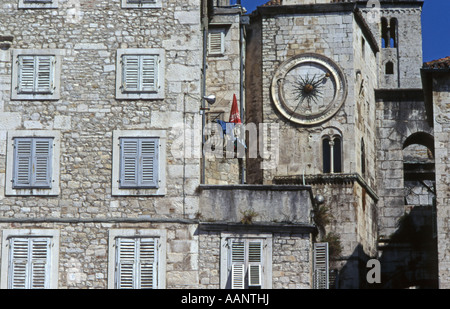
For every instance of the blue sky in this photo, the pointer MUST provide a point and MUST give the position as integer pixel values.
(435, 27)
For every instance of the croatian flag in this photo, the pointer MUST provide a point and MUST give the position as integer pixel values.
(235, 115)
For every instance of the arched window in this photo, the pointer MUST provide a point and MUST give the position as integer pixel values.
(332, 154)
(389, 33)
(393, 33)
(389, 68)
(384, 32)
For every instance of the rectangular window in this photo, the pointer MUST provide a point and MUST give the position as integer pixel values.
(320, 266)
(29, 262)
(141, 4)
(29, 259)
(32, 162)
(36, 74)
(136, 263)
(139, 161)
(140, 73)
(38, 4)
(245, 263)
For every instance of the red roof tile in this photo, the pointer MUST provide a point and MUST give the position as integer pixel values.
(443, 63)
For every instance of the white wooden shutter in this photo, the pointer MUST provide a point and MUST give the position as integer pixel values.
(18, 265)
(148, 263)
(320, 264)
(125, 263)
(237, 264)
(149, 65)
(29, 262)
(36, 74)
(255, 263)
(39, 257)
(44, 78)
(215, 42)
(136, 263)
(131, 74)
(26, 76)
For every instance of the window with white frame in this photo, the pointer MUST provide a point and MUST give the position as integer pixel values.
(38, 4)
(30, 259)
(137, 259)
(36, 74)
(216, 42)
(139, 166)
(33, 163)
(141, 4)
(140, 74)
(246, 262)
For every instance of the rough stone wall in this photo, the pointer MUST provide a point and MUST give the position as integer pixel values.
(284, 36)
(89, 33)
(396, 121)
(223, 79)
(84, 248)
(441, 98)
(291, 261)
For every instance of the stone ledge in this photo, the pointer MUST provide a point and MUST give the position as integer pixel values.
(257, 226)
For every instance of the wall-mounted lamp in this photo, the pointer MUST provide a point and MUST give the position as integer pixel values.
(211, 99)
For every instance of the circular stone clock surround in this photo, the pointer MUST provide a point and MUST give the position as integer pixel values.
(308, 89)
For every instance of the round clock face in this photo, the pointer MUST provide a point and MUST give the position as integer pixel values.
(308, 89)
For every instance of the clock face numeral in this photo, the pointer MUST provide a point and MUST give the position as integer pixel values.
(308, 89)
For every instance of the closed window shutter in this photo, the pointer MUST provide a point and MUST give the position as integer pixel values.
(44, 79)
(125, 263)
(27, 71)
(39, 265)
(140, 73)
(130, 73)
(148, 263)
(22, 162)
(29, 263)
(237, 264)
(255, 263)
(129, 162)
(136, 263)
(36, 74)
(149, 73)
(320, 265)
(18, 263)
(42, 162)
(139, 163)
(32, 162)
(148, 163)
(215, 42)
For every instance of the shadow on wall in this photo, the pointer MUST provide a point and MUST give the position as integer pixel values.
(408, 259)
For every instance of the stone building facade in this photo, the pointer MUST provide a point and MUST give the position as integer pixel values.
(111, 177)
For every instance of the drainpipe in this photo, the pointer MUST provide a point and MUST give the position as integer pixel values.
(203, 88)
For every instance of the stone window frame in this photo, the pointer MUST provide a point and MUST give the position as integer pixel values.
(54, 253)
(267, 240)
(54, 190)
(16, 53)
(52, 4)
(161, 234)
(156, 5)
(161, 189)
